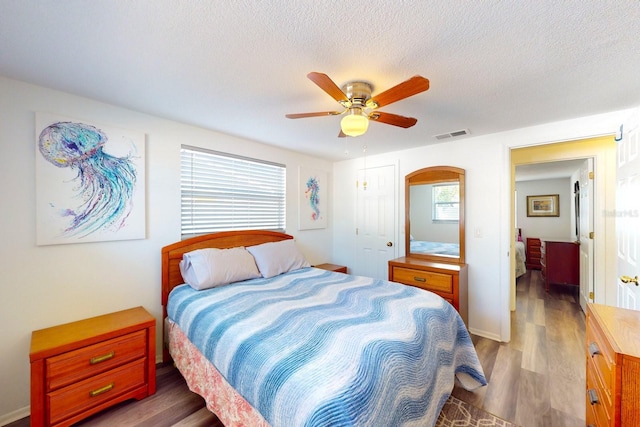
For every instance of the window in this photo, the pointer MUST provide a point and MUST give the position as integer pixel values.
(222, 192)
(446, 202)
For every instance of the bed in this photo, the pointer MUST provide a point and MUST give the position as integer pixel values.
(312, 347)
(521, 258)
(435, 248)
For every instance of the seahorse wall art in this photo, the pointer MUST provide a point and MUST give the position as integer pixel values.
(311, 193)
(313, 207)
(87, 191)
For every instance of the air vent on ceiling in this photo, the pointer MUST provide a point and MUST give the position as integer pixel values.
(453, 134)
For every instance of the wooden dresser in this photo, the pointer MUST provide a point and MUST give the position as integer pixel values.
(533, 253)
(560, 262)
(80, 368)
(447, 280)
(613, 366)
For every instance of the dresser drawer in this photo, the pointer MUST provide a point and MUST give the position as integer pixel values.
(71, 400)
(424, 279)
(534, 252)
(602, 361)
(598, 412)
(613, 365)
(86, 362)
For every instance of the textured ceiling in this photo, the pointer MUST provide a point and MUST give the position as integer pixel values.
(548, 170)
(239, 66)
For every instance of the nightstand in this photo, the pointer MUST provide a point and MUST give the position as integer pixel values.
(80, 368)
(332, 267)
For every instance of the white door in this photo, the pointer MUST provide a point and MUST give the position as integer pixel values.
(628, 214)
(375, 221)
(586, 226)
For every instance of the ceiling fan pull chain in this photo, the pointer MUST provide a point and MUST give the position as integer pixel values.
(364, 178)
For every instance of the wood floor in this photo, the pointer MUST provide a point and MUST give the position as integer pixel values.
(537, 379)
(172, 405)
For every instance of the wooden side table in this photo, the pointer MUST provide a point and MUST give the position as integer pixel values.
(80, 368)
(332, 267)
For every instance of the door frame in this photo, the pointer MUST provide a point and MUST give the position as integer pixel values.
(603, 150)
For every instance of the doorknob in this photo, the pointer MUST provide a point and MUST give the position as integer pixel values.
(629, 279)
(391, 244)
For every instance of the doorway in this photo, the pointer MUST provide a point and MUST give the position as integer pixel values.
(572, 182)
(603, 152)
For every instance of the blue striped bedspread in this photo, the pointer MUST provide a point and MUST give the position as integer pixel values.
(317, 348)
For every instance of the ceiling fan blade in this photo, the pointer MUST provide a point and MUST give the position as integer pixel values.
(393, 119)
(326, 84)
(414, 85)
(318, 114)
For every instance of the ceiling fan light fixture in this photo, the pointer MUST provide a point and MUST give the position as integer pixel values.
(354, 123)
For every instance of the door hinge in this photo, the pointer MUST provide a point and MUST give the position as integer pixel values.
(591, 234)
(591, 175)
(591, 296)
(356, 231)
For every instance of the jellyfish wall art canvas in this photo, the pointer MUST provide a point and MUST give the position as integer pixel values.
(90, 181)
(312, 211)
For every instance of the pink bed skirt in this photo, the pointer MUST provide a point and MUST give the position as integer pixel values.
(204, 379)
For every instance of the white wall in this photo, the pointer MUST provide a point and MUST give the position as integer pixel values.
(546, 227)
(41, 286)
(488, 188)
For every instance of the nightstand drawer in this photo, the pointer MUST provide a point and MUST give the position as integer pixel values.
(76, 398)
(85, 362)
(424, 279)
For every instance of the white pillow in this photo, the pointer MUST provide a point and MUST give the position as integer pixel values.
(211, 267)
(277, 257)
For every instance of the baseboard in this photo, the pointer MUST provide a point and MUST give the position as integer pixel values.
(485, 334)
(15, 415)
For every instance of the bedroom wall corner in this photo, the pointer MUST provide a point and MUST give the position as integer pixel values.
(42, 286)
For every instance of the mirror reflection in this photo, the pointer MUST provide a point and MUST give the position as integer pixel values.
(435, 214)
(434, 219)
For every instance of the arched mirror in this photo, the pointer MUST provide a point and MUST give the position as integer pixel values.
(434, 214)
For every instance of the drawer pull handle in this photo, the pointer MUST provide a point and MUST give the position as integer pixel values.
(593, 396)
(419, 279)
(593, 349)
(101, 390)
(103, 358)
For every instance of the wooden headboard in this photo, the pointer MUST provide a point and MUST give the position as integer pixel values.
(172, 254)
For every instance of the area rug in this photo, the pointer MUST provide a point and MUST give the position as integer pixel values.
(456, 413)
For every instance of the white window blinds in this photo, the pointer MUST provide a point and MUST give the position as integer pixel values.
(446, 202)
(221, 192)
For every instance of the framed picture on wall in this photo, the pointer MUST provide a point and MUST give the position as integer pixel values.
(547, 205)
(90, 181)
(313, 195)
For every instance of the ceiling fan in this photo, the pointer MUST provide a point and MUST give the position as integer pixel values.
(360, 107)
